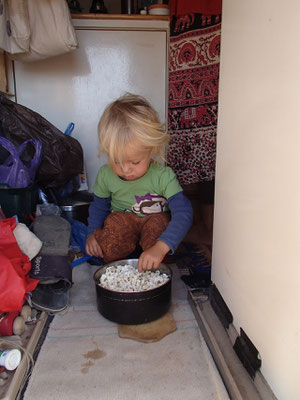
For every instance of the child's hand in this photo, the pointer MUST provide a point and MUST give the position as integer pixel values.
(152, 257)
(92, 247)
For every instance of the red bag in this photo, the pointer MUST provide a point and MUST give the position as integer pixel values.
(14, 269)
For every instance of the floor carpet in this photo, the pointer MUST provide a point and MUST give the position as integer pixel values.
(84, 357)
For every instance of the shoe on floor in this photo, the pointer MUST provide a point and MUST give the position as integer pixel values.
(52, 266)
(53, 297)
(51, 269)
(54, 232)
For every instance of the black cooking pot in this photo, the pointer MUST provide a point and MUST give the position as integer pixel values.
(76, 206)
(131, 308)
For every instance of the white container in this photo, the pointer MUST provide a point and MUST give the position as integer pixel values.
(10, 359)
(159, 9)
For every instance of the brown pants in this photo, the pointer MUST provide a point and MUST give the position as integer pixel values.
(123, 231)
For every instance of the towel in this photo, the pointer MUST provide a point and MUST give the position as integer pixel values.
(28, 242)
(149, 332)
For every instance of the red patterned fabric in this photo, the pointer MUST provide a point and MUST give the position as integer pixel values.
(193, 96)
(209, 7)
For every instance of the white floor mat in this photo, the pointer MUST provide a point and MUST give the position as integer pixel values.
(84, 358)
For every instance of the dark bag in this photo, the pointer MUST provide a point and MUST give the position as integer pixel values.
(62, 155)
(13, 171)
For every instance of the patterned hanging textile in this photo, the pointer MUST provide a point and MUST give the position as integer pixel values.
(193, 96)
(208, 7)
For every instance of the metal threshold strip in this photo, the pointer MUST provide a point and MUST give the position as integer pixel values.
(236, 379)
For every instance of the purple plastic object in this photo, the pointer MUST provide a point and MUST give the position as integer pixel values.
(13, 171)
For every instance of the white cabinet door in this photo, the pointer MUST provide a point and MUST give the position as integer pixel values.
(76, 87)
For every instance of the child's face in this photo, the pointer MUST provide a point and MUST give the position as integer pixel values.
(135, 162)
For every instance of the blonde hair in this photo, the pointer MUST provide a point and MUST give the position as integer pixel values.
(131, 119)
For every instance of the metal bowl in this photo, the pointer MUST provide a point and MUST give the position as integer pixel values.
(132, 308)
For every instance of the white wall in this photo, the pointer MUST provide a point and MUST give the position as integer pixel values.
(256, 250)
(114, 57)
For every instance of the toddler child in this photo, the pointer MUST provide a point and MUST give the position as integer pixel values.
(137, 201)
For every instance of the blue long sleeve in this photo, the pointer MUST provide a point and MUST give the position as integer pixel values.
(98, 211)
(181, 220)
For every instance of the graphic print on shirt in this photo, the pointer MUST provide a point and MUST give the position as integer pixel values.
(149, 204)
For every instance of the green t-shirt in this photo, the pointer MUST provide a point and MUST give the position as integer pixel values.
(143, 196)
